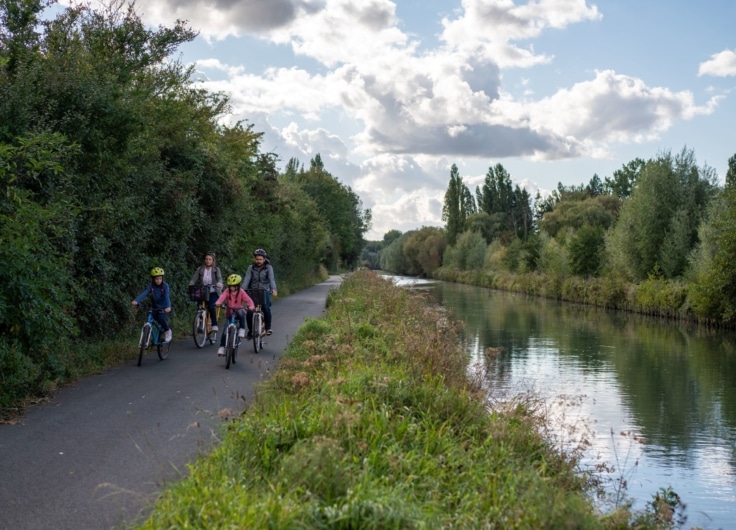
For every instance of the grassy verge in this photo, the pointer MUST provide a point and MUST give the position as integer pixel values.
(371, 421)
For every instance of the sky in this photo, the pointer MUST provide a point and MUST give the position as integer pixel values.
(390, 94)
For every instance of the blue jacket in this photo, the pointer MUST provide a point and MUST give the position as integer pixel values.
(160, 297)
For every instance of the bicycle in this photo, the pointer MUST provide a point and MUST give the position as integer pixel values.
(258, 329)
(153, 335)
(232, 340)
(202, 325)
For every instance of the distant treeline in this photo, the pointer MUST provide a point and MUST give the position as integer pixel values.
(658, 236)
(113, 161)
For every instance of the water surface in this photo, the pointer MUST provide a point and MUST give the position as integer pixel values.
(655, 400)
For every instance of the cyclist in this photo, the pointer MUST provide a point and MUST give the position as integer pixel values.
(236, 297)
(260, 276)
(209, 274)
(160, 299)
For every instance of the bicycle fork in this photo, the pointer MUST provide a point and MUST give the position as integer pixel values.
(145, 340)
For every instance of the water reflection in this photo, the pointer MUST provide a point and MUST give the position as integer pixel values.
(657, 400)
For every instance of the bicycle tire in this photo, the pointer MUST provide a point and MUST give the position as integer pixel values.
(235, 349)
(230, 344)
(143, 342)
(199, 328)
(163, 350)
(257, 331)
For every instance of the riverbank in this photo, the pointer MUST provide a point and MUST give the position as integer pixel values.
(371, 421)
(653, 297)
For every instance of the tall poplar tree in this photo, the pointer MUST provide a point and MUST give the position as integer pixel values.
(459, 204)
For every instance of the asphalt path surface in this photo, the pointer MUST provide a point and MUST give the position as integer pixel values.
(97, 454)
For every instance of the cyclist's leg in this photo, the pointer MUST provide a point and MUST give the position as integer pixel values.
(213, 308)
(241, 318)
(240, 314)
(223, 338)
(163, 320)
(267, 310)
(249, 321)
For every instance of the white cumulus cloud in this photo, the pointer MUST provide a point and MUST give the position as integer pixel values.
(721, 64)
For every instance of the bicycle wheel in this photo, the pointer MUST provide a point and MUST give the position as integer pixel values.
(232, 334)
(235, 349)
(163, 349)
(199, 328)
(144, 340)
(257, 331)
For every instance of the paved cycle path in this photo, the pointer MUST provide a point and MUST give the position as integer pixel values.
(97, 454)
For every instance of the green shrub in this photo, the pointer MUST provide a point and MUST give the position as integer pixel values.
(18, 374)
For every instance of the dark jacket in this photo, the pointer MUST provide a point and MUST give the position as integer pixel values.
(216, 277)
(260, 277)
(160, 297)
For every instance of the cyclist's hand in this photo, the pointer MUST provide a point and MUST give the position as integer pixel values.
(135, 304)
(219, 285)
(167, 310)
(252, 308)
(275, 292)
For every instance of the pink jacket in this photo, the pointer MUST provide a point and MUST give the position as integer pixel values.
(235, 301)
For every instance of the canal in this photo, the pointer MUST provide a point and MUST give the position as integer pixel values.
(652, 402)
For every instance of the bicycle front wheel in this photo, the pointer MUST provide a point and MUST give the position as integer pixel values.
(163, 350)
(232, 336)
(257, 331)
(144, 340)
(199, 328)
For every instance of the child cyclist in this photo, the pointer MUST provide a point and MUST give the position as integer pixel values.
(235, 297)
(160, 299)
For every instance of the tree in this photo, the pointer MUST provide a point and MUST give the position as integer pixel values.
(731, 172)
(506, 203)
(19, 40)
(585, 250)
(423, 250)
(458, 205)
(484, 224)
(468, 253)
(342, 209)
(573, 213)
(595, 186)
(391, 236)
(623, 180)
(712, 290)
(658, 224)
(523, 218)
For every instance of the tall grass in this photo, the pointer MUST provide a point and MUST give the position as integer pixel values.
(372, 422)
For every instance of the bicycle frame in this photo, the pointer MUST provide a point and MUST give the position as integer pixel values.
(152, 335)
(232, 340)
(258, 328)
(202, 325)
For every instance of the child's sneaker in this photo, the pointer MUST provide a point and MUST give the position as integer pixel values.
(269, 332)
(168, 335)
(250, 336)
(221, 351)
(241, 333)
(214, 328)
